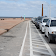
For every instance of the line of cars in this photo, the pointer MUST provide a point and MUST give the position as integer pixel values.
(46, 25)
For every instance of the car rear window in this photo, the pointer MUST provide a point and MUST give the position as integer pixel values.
(36, 19)
(53, 23)
(45, 20)
(40, 18)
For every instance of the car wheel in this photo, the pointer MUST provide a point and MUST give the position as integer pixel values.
(35, 24)
(49, 39)
(53, 40)
(37, 27)
(45, 35)
(41, 30)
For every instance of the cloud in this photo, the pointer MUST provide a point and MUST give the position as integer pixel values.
(13, 0)
(30, 8)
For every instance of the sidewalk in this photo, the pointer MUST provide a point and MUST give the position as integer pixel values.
(7, 24)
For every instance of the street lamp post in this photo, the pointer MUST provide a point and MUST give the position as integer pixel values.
(24, 16)
(50, 9)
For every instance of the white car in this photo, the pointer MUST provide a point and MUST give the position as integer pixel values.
(43, 23)
(33, 20)
(50, 29)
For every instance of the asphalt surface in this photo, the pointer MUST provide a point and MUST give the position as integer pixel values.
(11, 42)
(26, 40)
(52, 45)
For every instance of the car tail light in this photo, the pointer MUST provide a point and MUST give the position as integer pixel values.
(52, 32)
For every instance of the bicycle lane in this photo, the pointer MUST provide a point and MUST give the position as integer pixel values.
(38, 46)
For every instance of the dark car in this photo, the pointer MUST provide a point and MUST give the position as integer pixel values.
(33, 20)
(38, 21)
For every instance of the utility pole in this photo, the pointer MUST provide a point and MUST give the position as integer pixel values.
(42, 9)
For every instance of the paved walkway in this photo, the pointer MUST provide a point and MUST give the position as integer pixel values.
(39, 46)
(24, 40)
(11, 42)
(9, 23)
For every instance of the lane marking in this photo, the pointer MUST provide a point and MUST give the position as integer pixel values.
(21, 51)
(38, 41)
(47, 46)
(41, 52)
(38, 44)
(39, 48)
(50, 52)
(31, 49)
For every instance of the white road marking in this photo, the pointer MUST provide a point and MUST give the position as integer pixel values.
(50, 52)
(21, 51)
(1, 48)
(47, 46)
(38, 44)
(42, 52)
(39, 48)
(37, 41)
(31, 49)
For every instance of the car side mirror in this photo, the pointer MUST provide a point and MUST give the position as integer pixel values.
(46, 25)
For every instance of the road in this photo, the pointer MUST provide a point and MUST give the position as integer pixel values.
(25, 40)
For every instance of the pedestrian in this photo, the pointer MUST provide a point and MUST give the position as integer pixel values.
(21, 17)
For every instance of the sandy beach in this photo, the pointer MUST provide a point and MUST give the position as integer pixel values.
(8, 23)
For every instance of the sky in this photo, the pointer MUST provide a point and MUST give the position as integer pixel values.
(31, 8)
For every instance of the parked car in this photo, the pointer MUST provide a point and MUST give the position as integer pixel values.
(43, 23)
(50, 29)
(38, 21)
(32, 19)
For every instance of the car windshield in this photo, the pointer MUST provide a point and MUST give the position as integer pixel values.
(40, 18)
(45, 20)
(53, 23)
